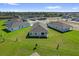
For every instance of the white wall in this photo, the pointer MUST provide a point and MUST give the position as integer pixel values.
(38, 34)
(58, 27)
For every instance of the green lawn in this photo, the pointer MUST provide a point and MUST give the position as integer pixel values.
(68, 43)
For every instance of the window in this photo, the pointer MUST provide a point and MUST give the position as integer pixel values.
(11, 28)
(35, 33)
(30, 33)
(19, 27)
(22, 26)
(45, 32)
(42, 33)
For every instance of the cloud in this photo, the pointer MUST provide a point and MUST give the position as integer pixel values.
(53, 7)
(75, 8)
(13, 3)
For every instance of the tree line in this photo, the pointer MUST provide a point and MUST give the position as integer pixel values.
(37, 14)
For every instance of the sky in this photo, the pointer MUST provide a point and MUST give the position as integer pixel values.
(39, 7)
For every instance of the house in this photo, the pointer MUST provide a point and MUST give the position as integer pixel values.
(16, 24)
(38, 18)
(66, 17)
(38, 30)
(75, 19)
(60, 26)
(42, 18)
(33, 19)
(15, 18)
(54, 18)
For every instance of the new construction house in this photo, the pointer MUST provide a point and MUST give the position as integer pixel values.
(16, 23)
(62, 27)
(38, 30)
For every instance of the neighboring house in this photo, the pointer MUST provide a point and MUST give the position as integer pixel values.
(38, 18)
(67, 16)
(16, 24)
(75, 19)
(62, 27)
(24, 20)
(42, 18)
(32, 19)
(38, 30)
(54, 18)
(15, 18)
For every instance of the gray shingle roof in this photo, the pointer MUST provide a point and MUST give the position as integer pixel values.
(75, 19)
(60, 24)
(39, 27)
(16, 16)
(13, 23)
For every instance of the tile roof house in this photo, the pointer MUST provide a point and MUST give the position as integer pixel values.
(60, 26)
(16, 24)
(38, 30)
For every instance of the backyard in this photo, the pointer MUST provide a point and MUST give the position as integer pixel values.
(16, 44)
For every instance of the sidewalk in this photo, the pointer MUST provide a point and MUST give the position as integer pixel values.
(35, 54)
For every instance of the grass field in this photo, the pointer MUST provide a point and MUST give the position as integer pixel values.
(68, 43)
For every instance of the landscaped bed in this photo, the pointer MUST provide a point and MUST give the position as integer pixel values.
(15, 43)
